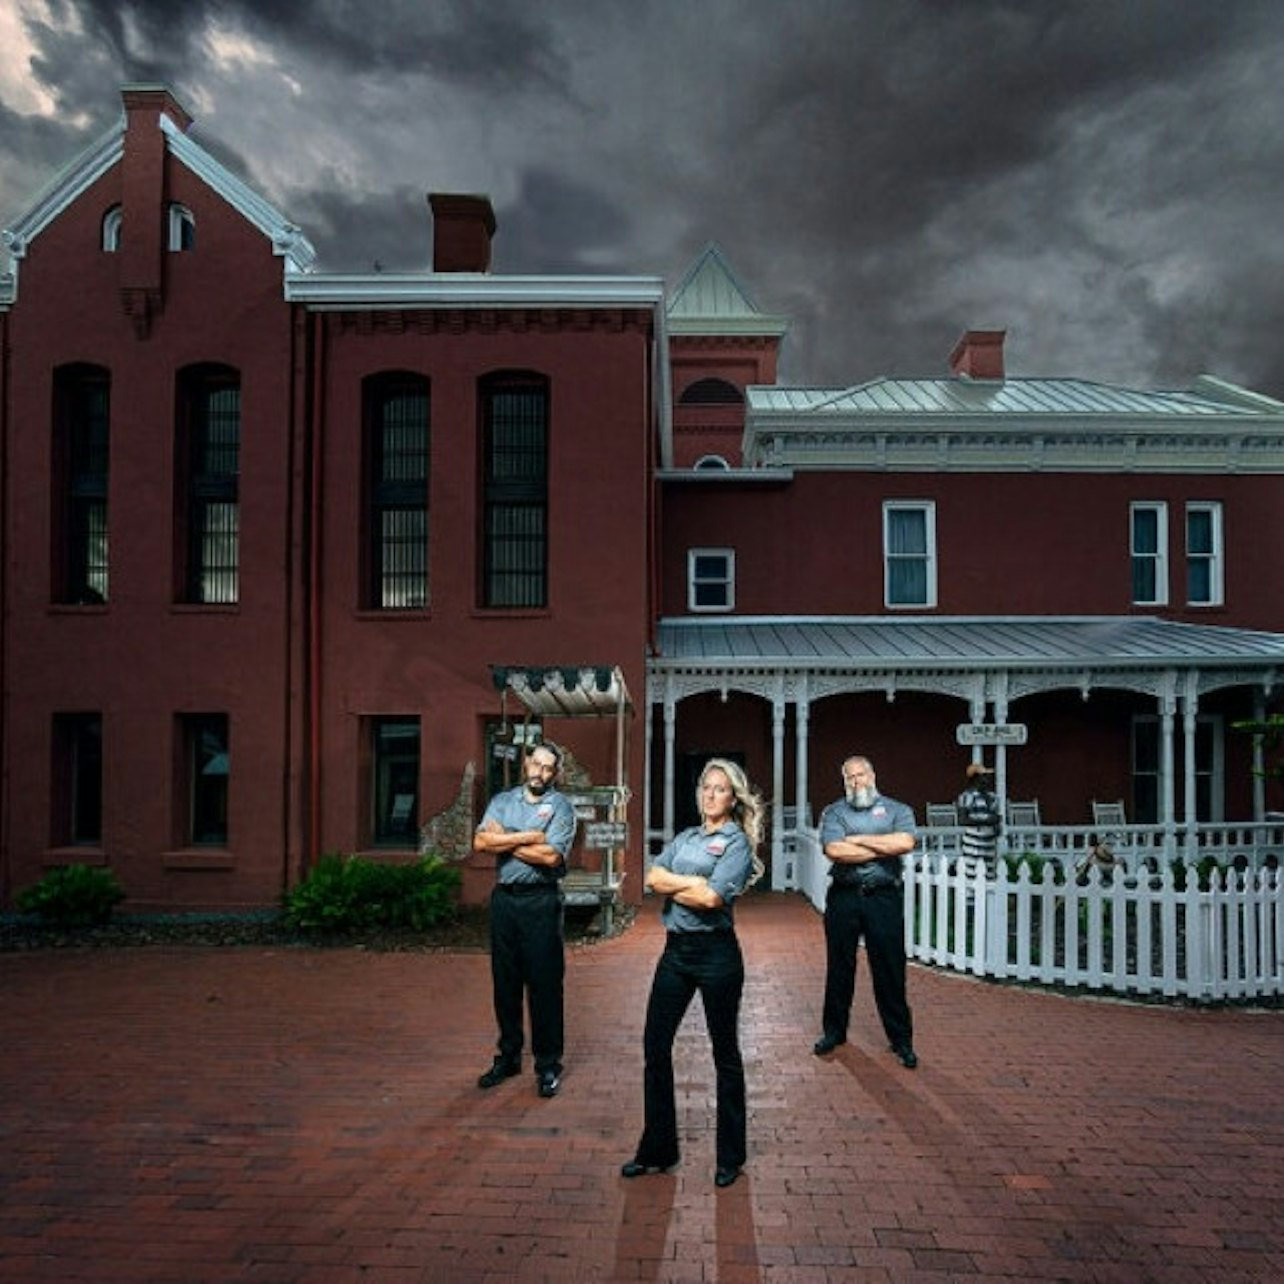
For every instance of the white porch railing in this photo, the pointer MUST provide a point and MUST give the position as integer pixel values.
(1153, 924)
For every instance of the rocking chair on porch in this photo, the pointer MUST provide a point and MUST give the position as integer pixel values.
(1024, 815)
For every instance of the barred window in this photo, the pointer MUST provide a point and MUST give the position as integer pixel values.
(209, 449)
(395, 520)
(514, 571)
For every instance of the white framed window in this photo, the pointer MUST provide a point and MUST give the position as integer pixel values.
(1204, 575)
(909, 553)
(715, 462)
(1148, 545)
(111, 230)
(711, 579)
(182, 228)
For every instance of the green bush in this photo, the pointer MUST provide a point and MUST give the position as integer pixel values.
(73, 896)
(345, 895)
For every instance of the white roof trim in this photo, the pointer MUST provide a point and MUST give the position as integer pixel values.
(287, 238)
(75, 178)
(335, 291)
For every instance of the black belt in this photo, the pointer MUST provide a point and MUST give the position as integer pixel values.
(525, 889)
(862, 890)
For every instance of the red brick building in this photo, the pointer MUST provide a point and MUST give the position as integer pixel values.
(275, 538)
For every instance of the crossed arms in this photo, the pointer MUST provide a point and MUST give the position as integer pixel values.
(529, 845)
(856, 849)
(690, 890)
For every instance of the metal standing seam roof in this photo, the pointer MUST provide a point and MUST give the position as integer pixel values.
(1009, 642)
(958, 396)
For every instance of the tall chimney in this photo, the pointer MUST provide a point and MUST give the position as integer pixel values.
(462, 231)
(978, 355)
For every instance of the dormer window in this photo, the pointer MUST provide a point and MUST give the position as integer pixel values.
(182, 229)
(111, 230)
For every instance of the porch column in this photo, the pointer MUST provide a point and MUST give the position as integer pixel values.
(1167, 803)
(777, 790)
(1000, 751)
(802, 716)
(1190, 711)
(670, 722)
(1259, 759)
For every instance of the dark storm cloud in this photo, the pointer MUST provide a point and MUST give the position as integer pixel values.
(1101, 179)
(501, 42)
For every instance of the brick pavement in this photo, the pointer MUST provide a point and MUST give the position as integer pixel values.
(297, 1116)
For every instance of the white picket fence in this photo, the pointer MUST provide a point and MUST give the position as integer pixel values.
(1153, 931)
(1160, 933)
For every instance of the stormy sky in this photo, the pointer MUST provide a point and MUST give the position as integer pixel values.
(1104, 179)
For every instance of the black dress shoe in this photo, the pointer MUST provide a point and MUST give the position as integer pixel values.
(498, 1072)
(906, 1055)
(725, 1176)
(634, 1168)
(549, 1082)
(826, 1044)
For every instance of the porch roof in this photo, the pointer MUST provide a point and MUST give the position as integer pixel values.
(966, 642)
(565, 691)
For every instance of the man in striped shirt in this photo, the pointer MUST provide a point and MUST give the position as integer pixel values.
(978, 807)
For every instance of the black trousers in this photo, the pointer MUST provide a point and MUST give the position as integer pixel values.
(528, 959)
(879, 918)
(711, 963)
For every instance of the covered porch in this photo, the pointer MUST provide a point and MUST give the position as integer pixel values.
(1134, 709)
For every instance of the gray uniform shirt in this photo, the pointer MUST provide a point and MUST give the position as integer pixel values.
(883, 816)
(723, 859)
(551, 813)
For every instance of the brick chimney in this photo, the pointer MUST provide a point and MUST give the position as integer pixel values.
(462, 231)
(978, 355)
(144, 213)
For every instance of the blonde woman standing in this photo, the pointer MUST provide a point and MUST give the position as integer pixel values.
(700, 874)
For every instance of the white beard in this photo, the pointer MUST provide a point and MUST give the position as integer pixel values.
(863, 797)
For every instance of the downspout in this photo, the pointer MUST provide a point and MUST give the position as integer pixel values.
(316, 439)
(294, 785)
(5, 471)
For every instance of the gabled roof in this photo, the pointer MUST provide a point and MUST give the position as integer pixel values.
(287, 239)
(710, 299)
(974, 642)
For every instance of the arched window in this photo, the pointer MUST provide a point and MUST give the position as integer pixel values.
(709, 462)
(111, 230)
(711, 392)
(182, 228)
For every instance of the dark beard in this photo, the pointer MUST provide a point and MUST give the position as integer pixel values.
(536, 787)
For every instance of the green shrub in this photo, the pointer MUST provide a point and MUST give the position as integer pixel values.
(345, 895)
(73, 896)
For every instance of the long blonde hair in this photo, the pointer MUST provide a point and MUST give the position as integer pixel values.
(746, 806)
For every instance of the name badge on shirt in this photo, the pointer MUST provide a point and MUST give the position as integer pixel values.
(544, 810)
(878, 810)
(716, 846)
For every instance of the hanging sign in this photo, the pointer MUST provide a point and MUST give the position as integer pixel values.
(991, 733)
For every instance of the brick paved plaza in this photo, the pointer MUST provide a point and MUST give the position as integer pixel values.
(299, 1116)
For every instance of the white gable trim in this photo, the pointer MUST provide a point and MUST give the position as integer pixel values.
(287, 238)
(75, 178)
